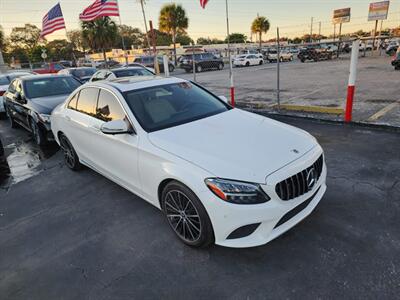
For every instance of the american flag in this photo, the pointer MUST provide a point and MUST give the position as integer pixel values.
(203, 3)
(100, 8)
(52, 21)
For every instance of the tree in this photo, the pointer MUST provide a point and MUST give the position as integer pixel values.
(77, 40)
(237, 38)
(173, 20)
(132, 36)
(26, 37)
(259, 26)
(100, 34)
(60, 49)
(183, 39)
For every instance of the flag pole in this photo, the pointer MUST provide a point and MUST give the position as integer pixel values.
(229, 56)
(122, 36)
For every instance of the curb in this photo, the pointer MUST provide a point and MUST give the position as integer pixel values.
(312, 109)
(334, 122)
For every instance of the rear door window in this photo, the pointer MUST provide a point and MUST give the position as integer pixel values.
(87, 101)
(108, 107)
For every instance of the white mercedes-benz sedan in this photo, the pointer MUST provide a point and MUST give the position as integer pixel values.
(220, 174)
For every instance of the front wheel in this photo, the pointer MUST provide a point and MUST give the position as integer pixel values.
(261, 62)
(38, 135)
(186, 215)
(199, 69)
(70, 157)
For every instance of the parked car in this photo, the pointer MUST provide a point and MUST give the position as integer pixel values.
(148, 61)
(47, 68)
(83, 74)
(141, 66)
(247, 60)
(315, 54)
(165, 139)
(30, 100)
(392, 47)
(67, 63)
(284, 55)
(5, 80)
(203, 62)
(396, 60)
(120, 72)
(110, 64)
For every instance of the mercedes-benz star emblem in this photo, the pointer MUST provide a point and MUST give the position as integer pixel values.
(311, 178)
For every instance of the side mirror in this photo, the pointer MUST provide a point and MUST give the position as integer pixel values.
(223, 98)
(19, 98)
(115, 127)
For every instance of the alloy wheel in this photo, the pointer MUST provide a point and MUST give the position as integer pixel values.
(68, 152)
(182, 216)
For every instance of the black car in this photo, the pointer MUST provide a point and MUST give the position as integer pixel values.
(83, 74)
(30, 100)
(203, 61)
(148, 61)
(315, 54)
(396, 60)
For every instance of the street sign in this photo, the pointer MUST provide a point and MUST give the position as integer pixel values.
(341, 16)
(378, 11)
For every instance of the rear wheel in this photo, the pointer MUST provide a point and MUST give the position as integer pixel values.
(261, 62)
(199, 68)
(171, 68)
(220, 66)
(70, 157)
(186, 215)
(247, 64)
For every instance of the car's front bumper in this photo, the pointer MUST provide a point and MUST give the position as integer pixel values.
(273, 217)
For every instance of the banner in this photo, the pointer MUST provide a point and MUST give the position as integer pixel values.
(378, 11)
(341, 15)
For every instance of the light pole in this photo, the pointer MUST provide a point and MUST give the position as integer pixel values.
(145, 24)
(2, 64)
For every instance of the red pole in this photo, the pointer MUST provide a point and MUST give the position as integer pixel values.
(352, 81)
(233, 96)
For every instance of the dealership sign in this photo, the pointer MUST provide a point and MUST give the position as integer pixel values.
(341, 16)
(378, 11)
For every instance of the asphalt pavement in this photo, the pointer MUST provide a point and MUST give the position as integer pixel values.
(67, 235)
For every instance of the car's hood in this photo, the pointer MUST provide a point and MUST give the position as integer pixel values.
(236, 144)
(45, 105)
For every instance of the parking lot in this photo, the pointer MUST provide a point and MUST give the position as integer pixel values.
(321, 83)
(67, 235)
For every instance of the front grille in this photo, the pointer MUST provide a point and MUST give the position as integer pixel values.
(300, 183)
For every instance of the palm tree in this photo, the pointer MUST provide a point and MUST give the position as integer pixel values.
(100, 34)
(259, 26)
(173, 20)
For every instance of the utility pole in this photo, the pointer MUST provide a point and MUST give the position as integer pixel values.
(145, 24)
(278, 89)
(312, 21)
(153, 38)
(229, 56)
(319, 32)
(2, 64)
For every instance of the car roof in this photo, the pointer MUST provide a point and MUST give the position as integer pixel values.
(44, 76)
(136, 82)
(127, 68)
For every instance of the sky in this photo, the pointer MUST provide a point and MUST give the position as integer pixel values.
(293, 17)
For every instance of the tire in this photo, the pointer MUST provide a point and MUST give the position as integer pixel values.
(188, 71)
(247, 64)
(302, 60)
(171, 68)
(39, 136)
(199, 69)
(220, 66)
(3, 115)
(397, 67)
(261, 62)
(281, 59)
(291, 58)
(194, 230)
(71, 159)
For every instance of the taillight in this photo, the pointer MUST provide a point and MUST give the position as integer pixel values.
(2, 93)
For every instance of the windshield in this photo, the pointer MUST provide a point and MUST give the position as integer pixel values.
(171, 105)
(133, 72)
(46, 87)
(83, 72)
(4, 80)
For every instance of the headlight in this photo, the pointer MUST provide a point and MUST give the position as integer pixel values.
(237, 192)
(44, 118)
